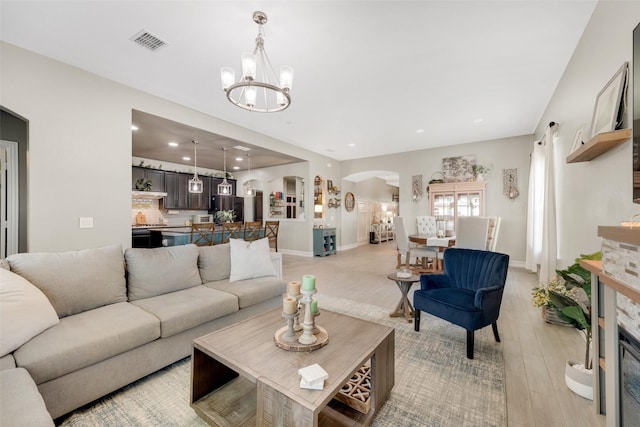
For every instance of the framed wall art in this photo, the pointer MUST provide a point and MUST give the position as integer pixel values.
(349, 201)
(578, 140)
(606, 115)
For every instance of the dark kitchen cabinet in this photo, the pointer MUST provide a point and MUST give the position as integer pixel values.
(200, 201)
(177, 191)
(156, 177)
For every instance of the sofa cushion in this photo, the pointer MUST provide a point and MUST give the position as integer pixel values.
(24, 311)
(21, 403)
(7, 362)
(154, 272)
(75, 281)
(86, 338)
(250, 259)
(188, 308)
(251, 291)
(214, 262)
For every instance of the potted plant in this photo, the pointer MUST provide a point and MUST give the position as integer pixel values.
(541, 298)
(479, 171)
(575, 308)
(225, 216)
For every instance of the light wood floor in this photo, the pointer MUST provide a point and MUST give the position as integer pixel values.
(534, 352)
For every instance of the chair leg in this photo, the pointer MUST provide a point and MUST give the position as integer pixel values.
(469, 344)
(494, 326)
(416, 319)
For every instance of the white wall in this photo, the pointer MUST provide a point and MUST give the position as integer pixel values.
(505, 153)
(598, 192)
(80, 149)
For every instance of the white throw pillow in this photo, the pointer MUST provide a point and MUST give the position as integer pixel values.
(24, 311)
(250, 259)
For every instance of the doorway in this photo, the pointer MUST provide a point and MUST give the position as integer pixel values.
(9, 198)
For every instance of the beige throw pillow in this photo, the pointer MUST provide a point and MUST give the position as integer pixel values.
(250, 259)
(24, 311)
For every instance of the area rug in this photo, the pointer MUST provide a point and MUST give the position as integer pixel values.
(435, 384)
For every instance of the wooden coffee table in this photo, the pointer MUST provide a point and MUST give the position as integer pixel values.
(239, 377)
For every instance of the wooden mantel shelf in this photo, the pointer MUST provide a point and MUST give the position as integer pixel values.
(596, 268)
(599, 144)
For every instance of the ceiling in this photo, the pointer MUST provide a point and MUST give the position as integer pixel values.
(371, 77)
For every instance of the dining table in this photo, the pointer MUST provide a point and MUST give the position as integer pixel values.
(434, 241)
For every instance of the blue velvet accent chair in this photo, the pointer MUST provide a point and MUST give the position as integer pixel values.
(468, 294)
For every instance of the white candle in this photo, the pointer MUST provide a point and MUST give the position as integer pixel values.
(294, 288)
(308, 282)
(314, 307)
(289, 305)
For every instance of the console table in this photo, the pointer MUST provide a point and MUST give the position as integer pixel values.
(324, 241)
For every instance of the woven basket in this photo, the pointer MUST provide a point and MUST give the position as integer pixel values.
(550, 316)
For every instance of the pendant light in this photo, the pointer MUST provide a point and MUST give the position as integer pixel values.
(249, 191)
(195, 184)
(224, 188)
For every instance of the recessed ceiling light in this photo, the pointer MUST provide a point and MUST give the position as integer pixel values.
(186, 159)
(352, 145)
(134, 127)
(419, 130)
(478, 120)
(241, 147)
(235, 168)
(173, 144)
(238, 159)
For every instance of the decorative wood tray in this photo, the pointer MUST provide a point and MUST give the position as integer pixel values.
(322, 339)
(357, 390)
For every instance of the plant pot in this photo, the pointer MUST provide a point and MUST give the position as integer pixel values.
(550, 315)
(578, 379)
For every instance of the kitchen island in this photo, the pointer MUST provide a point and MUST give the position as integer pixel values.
(175, 236)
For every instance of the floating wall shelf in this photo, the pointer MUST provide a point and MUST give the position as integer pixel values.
(599, 144)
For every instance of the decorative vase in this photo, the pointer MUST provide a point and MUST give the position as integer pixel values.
(578, 379)
(479, 177)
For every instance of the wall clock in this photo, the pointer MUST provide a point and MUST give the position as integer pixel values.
(349, 201)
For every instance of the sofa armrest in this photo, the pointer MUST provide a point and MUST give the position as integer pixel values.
(489, 295)
(276, 259)
(434, 281)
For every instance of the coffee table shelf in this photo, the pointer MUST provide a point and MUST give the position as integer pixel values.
(231, 386)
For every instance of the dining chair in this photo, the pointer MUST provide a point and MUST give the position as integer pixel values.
(252, 230)
(426, 225)
(404, 249)
(202, 234)
(271, 232)
(472, 232)
(231, 230)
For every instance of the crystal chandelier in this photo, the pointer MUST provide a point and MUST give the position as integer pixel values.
(249, 191)
(224, 188)
(195, 184)
(258, 89)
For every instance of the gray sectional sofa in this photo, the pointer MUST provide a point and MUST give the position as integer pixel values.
(122, 316)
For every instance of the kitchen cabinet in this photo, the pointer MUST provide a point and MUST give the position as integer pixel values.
(324, 241)
(176, 186)
(200, 201)
(156, 176)
(451, 200)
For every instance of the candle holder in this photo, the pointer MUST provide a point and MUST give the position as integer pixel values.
(315, 330)
(289, 335)
(297, 326)
(307, 336)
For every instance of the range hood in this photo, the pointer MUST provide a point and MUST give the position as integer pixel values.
(149, 195)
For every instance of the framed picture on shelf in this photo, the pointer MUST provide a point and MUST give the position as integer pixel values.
(578, 140)
(608, 103)
(329, 185)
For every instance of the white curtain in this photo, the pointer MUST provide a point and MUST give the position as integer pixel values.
(541, 212)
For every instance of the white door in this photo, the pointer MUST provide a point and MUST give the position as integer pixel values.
(8, 198)
(364, 222)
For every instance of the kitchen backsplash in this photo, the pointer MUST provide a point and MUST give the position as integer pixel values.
(154, 215)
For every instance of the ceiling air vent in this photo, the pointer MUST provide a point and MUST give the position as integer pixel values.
(148, 40)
